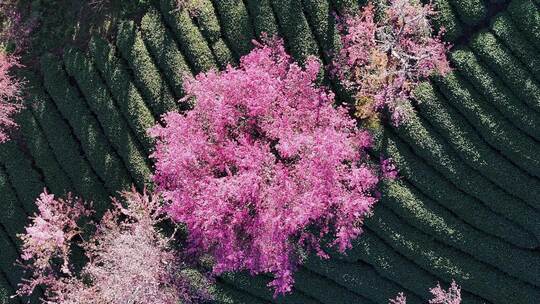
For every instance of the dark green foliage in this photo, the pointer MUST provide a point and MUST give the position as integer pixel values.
(256, 285)
(147, 77)
(13, 217)
(295, 29)
(474, 151)
(389, 264)
(471, 12)
(6, 291)
(55, 178)
(112, 123)
(229, 294)
(163, 48)
(446, 18)
(25, 179)
(506, 66)
(66, 149)
(492, 126)
(223, 54)
(432, 184)
(128, 98)
(515, 40)
(262, 17)
(347, 6)
(527, 17)
(104, 160)
(325, 290)
(431, 147)
(189, 38)
(207, 21)
(236, 25)
(496, 92)
(448, 263)
(359, 278)
(324, 27)
(439, 188)
(431, 219)
(457, 212)
(13, 273)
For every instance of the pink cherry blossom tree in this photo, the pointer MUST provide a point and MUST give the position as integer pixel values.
(129, 260)
(10, 94)
(265, 167)
(440, 296)
(383, 60)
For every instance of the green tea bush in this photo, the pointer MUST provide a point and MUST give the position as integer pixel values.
(67, 150)
(471, 12)
(25, 179)
(324, 290)
(13, 217)
(262, 17)
(508, 68)
(256, 285)
(389, 263)
(229, 294)
(504, 28)
(236, 25)
(491, 125)
(105, 161)
(323, 26)
(347, 6)
(431, 147)
(6, 291)
(223, 54)
(189, 38)
(13, 273)
(474, 150)
(527, 17)
(295, 29)
(163, 48)
(446, 17)
(359, 278)
(435, 186)
(433, 220)
(448, 263)
(207, 21)
(495, 91)
(112, 123)
(54, 176)
(122, 88)
(147, 76)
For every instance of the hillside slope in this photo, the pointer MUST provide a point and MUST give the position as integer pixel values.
(467, 205)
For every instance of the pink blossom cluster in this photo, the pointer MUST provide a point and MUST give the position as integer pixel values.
(130, 261)
(48, 239)
(14, 29)
(10, 94)
(383, 60)
(264, 167)
(440, 296)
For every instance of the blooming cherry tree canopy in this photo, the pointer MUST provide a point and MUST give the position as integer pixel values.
(383, 60)
(264, 168)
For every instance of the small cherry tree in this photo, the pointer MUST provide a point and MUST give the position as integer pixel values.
(440, 296)
(264, 169)
(383, 60)
(129, 260)
(14, 40)
(10, 94)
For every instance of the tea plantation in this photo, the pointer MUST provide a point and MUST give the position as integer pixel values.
(467, 203)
